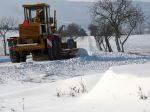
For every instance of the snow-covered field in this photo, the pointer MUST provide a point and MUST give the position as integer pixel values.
(92, 82)
(139, 44)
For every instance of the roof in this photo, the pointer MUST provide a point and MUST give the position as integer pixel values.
(33, 6)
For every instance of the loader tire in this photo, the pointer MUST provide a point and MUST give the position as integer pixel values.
(23, 58)
(15, 57)
(50, 54)
(56, 48)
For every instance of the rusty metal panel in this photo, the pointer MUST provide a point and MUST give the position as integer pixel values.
(33, 30)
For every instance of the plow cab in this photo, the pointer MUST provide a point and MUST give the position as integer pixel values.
(38, 36)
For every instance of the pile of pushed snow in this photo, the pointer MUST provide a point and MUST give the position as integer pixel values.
(121, 81)
(123, 89)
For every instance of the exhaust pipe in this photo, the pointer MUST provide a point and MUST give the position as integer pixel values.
(55, 21)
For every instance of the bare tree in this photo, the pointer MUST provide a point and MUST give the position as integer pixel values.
(102, 32)
(118, 14)
(131, 23)
(73, 30)
(106, 32)
(82, 32)
(94, 32)
(6, 25)
(93, 29)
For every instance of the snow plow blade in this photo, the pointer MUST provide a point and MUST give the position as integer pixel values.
(69, 53)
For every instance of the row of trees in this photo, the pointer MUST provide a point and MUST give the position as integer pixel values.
(73, 30)
(114, 19)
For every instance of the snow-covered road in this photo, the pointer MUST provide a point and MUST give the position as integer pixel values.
(89, 61)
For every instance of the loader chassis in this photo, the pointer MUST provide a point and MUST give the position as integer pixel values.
(38, 36)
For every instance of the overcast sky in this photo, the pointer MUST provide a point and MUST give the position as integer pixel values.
(97, 0)
(67, 12)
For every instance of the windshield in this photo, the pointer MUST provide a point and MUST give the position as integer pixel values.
(36, 14)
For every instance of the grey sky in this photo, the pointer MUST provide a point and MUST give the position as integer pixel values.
(67, 12)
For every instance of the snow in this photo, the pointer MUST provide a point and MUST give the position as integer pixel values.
(120, 86)
(115, 91)
(113, 82)
(89, 61)
(123, 80)
(139, 44)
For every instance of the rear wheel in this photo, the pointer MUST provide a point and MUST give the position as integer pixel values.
(14, 56)
(56, 48)
(54, 52)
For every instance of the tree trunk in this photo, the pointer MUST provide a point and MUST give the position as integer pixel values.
(122, 43)
(122, 47)
(108, 45)
(105, 47)
(117, 44)
(99, 42)
(99, 45)
(5, 52)
(117, 36)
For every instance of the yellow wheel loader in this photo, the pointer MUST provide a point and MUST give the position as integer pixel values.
(38, 36)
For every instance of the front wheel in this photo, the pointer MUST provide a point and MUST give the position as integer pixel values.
(14, 56)
(50, 54)
(56, 48)
(23, 58)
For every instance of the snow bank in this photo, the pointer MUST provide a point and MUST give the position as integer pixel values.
(47, 89)
(118, 83)
(122, 89)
